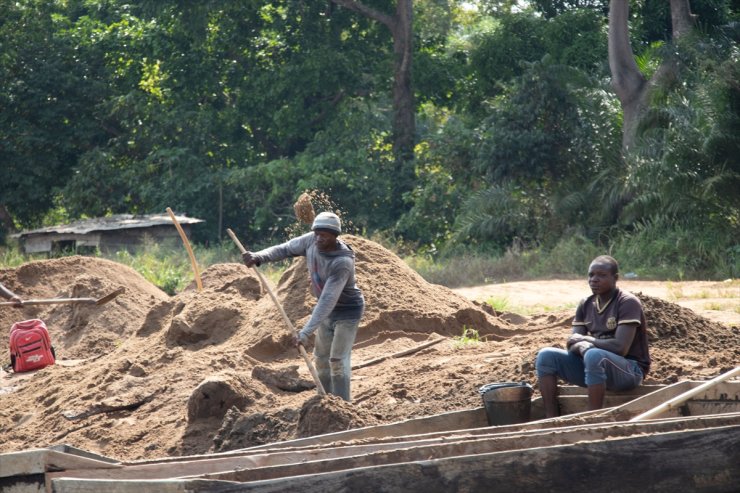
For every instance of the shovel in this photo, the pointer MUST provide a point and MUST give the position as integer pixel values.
(89, 301)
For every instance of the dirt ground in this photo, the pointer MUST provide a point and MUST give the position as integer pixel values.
(148, 375)
(717, 301)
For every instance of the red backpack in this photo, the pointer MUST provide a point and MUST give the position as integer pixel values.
(30, 346)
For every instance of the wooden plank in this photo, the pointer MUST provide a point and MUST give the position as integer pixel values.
(69, 449)
(300, 461)
(574, 403)
(681, 398)
(24, 471)
(445, 422)
(39, 461)
(640, 390)
(75, 485)
(400, 354)
(702, 408)
(665, 462)
(729, 390)
(476, 418)
(173, 469)
(23, 463)
(363, 456)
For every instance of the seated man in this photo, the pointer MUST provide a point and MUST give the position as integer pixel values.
(608, 348)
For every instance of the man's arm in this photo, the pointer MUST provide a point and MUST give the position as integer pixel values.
(291, 248)
(579, 331)
(327, 301)
(10, 295)
(579, 326)
(619, 344)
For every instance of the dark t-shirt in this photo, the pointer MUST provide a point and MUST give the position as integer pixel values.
(602, 321)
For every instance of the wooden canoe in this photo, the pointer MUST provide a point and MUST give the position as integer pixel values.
(694, 447)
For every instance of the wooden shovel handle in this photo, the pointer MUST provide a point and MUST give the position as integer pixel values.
(50, 301)
(288, 323)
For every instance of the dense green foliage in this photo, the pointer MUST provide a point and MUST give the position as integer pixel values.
(228, 110)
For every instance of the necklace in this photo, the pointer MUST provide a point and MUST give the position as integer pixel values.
(599, 308)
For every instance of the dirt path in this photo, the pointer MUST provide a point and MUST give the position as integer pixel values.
(717, 301)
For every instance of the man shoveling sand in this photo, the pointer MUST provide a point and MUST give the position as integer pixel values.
(337, 314)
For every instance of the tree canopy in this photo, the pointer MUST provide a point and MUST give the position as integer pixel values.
(437, 123)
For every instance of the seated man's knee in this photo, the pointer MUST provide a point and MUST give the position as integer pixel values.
(545, 358)
(594, 360)
(594, 357)
(545, 364)
(540, 357)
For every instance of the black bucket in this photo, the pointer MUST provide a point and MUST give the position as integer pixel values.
(507, 403)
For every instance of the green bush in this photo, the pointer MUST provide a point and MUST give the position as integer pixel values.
(466, 270)
(11, 257)
(166, 268)
(569, 258)
(665, 249)
(469, 336)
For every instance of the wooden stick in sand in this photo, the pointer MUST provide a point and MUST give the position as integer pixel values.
(400, 354)
(187, 247)
(288, 323)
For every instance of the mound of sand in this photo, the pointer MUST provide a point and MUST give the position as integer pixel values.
(80, 330)
(215, 370)
(398, 300)
(683, 343)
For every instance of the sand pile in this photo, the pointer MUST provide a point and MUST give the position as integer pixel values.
(215, 370)
(80, 330)
(398, 300)
(683, 343)
(179, 364)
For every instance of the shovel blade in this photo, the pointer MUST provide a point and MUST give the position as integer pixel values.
(108, 297)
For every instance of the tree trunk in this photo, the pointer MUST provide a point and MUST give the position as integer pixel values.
(6, 220)
(681, 18)
(629, 84)
(404, 122)
(401, 28)
(627, 81)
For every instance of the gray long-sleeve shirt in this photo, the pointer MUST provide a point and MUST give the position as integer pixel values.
(332, 277)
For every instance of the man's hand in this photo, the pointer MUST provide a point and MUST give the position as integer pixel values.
(17, 300)
(580, 347)
(574, 338)
(579, 343)
(249, 259)
(300, 339)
